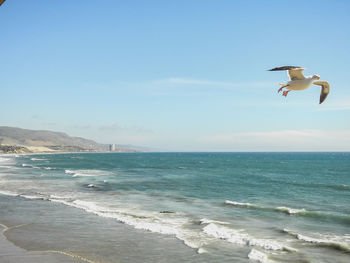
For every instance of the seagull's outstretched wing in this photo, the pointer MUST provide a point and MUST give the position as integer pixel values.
(284, 68)
(294, 72)
(324, 90)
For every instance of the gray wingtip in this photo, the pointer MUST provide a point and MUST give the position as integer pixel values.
(323, 97)
(283, 68)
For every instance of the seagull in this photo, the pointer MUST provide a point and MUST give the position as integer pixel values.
(299, 82)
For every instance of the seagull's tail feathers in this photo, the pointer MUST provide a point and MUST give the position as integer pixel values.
(283, 85)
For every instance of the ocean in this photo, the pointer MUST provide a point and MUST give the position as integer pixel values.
(180, 207)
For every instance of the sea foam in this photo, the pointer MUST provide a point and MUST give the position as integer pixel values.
(86, 173)
(168, 224)
(3, 160)
(138, 221)
(241, 238)
(258, 256)
(38, 159)
(239, 204)
(283, 209)
(331, 241)
(201, 250)
(9, 193)
(30, 166)
(289, 210)
(6, 162)
(209, 221)
(149, 221)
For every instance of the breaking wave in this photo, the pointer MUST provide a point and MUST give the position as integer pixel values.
(293, 211)
(30, 166)
(86, 173)
(175, 224)
(162, 223)
(257, 255)
(3, 159)
(240, 204)
(283, 209)
(242, 238)
(209, 221)
(289, 210)
(38, 159)
(330, 241)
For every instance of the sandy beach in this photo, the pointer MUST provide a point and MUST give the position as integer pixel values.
(35, 230)
(9, 253)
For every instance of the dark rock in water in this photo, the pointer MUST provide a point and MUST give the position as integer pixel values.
(166, 212)
(91, 186)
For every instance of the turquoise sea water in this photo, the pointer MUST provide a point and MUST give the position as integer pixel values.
(224, 207)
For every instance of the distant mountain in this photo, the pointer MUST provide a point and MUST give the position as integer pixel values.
(22, 140)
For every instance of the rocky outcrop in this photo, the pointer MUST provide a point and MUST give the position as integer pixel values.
(13, 149)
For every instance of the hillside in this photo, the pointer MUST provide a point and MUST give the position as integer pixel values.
(22, 140)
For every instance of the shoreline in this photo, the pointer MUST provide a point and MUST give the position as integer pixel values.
(49, 153)
(117, 216)
(64, 234)
(11, 253)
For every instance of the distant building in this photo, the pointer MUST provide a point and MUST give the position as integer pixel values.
(112, 147)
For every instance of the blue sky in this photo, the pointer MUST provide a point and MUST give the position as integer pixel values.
(177, 75)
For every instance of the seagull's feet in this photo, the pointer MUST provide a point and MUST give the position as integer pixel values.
(280, 89)
(285, 93)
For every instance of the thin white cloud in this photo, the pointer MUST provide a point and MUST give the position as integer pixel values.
(114, 133)
(133, 139)
(81, 127)
(178, 81)
(285, 140)
(340, 105)
(116, 128)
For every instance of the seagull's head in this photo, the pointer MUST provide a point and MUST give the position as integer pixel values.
(316, 77)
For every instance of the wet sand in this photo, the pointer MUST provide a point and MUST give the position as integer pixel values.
(9, 253)
(42, 231)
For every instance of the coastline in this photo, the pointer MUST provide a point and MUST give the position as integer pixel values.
(148, 208)
(49, 153)
(10, 253)
(51, 233)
